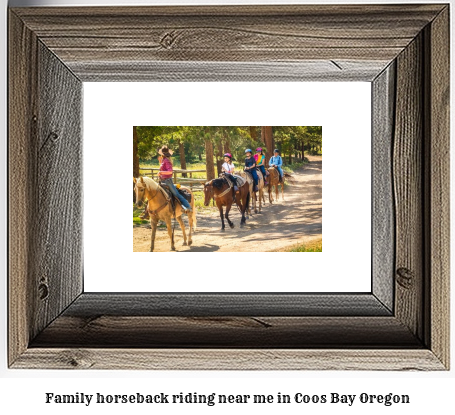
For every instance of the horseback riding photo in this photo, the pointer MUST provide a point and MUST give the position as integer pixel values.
(211, 177)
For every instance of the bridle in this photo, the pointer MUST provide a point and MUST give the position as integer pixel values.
(225, 192)
(159, 209)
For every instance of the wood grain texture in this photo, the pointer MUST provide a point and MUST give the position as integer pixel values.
(228, 34)
(53, 49)
(229, 359)
(383, 215)
(438, 193)
(407, 173)
(226, 332)
(22, 94)
(213, 305)
(57, 223)
(309, 71)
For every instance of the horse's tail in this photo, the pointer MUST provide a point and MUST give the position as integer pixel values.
(247, 200)
(288, 177)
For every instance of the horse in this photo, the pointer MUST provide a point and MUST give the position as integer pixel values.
(160, 208)
(249, 179)
(274, 180)
(222, 191)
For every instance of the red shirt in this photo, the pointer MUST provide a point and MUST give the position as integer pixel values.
(166, 168)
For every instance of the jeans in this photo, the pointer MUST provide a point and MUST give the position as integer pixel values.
(255, 176)
(175, 192)
(280, 171)
(264, 174)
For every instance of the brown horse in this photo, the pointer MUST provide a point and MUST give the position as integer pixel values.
(274, 180)
(254, 196)
(223, 193)
(160, 208)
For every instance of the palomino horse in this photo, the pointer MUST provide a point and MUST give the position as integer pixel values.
(249, 179)
(223, 193)
(274, 180)
(160, 208)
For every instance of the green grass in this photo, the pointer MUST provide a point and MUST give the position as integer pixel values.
(311, 247)
(137, 221)
(291, 168)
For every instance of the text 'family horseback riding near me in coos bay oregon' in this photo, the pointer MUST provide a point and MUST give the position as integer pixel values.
(231, 189)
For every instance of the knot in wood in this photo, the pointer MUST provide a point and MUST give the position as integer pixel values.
(405, 278)
(53, 136)
(43, 291)
(168, 40)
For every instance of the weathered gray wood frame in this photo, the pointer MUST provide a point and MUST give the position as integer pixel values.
(403, 50)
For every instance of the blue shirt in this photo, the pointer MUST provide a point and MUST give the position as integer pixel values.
(249, 162)
(276, 160)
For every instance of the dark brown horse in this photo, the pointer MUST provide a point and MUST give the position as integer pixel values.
(223, 193)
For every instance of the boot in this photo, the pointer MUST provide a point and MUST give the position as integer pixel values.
(145, 215)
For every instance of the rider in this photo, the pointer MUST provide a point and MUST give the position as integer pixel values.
(165, 175)
(260, 160)
(250, 166)
(228, 169)
(277, 161)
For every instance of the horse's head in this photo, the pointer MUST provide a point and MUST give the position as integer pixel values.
(208, 193)
(139, 189)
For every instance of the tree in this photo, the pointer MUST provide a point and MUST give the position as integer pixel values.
(135, 154)
(253, 133)
(267, 134)
(209, 165)
(182, 157)
(219, 155)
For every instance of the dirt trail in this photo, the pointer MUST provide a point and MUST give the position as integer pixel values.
(296, 220)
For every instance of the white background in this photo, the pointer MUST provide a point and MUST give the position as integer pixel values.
(23, 391)
(342, 108)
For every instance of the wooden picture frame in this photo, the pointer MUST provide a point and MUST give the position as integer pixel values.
(403, 324)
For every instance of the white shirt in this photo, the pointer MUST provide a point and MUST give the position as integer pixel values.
(228, 167)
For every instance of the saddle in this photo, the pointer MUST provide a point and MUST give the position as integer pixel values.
(172, 198)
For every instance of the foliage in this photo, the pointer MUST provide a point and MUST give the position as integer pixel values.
(289, 140)
(311, 247)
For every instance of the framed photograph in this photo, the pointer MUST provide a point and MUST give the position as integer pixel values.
(62, 197)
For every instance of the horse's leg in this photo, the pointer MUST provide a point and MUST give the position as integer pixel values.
(260, 198)
(182, 225)
(244, 200)
(240, 200)
(270, 189)
(220, 208)
(153, 224)
(282, 195)
(169, 231)
(228, 208)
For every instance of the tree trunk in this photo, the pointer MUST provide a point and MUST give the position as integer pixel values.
(200, 156)
(227, 142)
(182, 158)
(209, 166)
(267, 135)
(303, 151)
(219, 156)
(253, 133)
(135, 155)
(290, 157)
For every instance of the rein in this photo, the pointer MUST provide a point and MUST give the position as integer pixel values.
(159, 209)
(225, 192)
